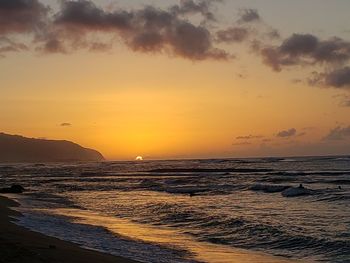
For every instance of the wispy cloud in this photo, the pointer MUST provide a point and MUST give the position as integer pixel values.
(248, 15)
(232, 35)
(241, 143)
(287, 133)
(65, 124)
(249, 137)
(338, 133)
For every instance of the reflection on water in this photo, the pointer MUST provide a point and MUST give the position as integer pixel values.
(166, 238)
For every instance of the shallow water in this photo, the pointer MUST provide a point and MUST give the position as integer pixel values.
(193, 210)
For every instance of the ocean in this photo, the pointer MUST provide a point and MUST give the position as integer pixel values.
(192, 210)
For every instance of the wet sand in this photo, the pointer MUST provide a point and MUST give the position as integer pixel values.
(17, 244)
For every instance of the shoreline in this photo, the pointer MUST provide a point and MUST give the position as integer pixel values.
(18, 244)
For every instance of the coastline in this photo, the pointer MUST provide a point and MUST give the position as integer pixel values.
(18, 244)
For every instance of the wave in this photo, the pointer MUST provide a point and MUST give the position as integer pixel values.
(243, 233)
(211, 170)
(85, 235)
(279, 239)
(269, 188)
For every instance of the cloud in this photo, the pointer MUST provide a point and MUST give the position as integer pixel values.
(344, 99)
(191, 7)
(306, 49)
(241, 143)
(249, 137)
(21, 16)
(287, 133)
(338, 78)
(232, 35)
(273, 34)
(346, 103)
(248, 15)
(8, 45)
(65, 124)
(148, 30)
(338, 133)
(84, 25)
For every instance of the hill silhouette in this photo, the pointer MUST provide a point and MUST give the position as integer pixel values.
(15, 148)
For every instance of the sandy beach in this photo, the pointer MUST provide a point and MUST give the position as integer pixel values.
(18, 244)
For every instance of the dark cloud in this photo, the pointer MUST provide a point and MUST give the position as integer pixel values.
(338, 133)
(82, 24)
(65, 124)
(287, 133)
(85, 15)
(337, 78)
(249, 137)
(21, 16)
(145, 30)
(309, 50)
(298, 45)
(248, 15)
(305, 49)
(232, 35)
(192, 7)
(273, 34)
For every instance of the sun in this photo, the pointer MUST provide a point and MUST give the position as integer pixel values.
(139, 158)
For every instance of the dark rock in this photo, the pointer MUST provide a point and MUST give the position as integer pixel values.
(14, 189)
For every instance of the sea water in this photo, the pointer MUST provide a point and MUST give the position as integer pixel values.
(222, 210)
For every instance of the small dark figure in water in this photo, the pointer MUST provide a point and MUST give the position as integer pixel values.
(301, 186)
(339, 187)
(192, 194)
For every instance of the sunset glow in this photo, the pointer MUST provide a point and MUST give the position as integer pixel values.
(170, 101)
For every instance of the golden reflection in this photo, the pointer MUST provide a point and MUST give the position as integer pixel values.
(201, 251)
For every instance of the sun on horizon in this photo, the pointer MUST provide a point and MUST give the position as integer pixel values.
(139, 158)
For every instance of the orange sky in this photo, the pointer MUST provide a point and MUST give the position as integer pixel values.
(125, 103)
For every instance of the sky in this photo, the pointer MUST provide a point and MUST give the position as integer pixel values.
(178, 79)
